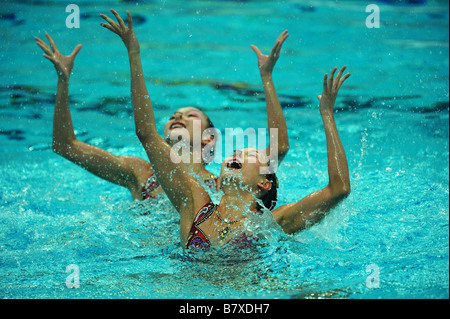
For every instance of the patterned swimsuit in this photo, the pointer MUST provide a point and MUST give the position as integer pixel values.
(197, 239)
(150, 186)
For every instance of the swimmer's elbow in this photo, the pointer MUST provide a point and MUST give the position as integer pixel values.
(339, 192)
(339, 186)
(347, 190)
(57, 147)
(344, 189)
(342, 192)
(61, 147)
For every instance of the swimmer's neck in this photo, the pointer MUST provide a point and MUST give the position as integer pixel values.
(236, 207)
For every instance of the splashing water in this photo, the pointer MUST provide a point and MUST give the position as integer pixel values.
(392, 117)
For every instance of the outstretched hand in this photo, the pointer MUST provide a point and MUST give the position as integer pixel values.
(331, 88)
(63, 64)
(266, 63)
(126, 33)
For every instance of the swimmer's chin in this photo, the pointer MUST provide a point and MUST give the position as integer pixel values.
(229, 177)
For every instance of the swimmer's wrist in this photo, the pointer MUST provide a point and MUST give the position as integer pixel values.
(266, 77)
(134, 54)
(326, 112)
(62, 78)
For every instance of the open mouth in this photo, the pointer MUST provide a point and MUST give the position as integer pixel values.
(177, 125)
(234, 164)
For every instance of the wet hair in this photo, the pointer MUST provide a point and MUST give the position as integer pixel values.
(269, 199)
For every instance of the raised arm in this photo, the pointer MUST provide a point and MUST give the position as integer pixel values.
(121, 170)
(63, 132)
(312, 208)
(275, 116)
(185, 193)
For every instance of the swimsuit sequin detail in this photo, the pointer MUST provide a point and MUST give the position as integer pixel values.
(150, 186)
(196, 238)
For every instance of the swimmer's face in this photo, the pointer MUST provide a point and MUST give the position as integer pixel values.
(183, 122)
(245, 166)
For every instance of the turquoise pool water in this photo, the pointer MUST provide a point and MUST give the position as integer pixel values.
(388, 239)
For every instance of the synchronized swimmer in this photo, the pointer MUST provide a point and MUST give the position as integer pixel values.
(247, 186)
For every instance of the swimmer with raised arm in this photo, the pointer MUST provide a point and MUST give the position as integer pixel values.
(204, 224)
(135, 173)
(266, 64)
(131, 172)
